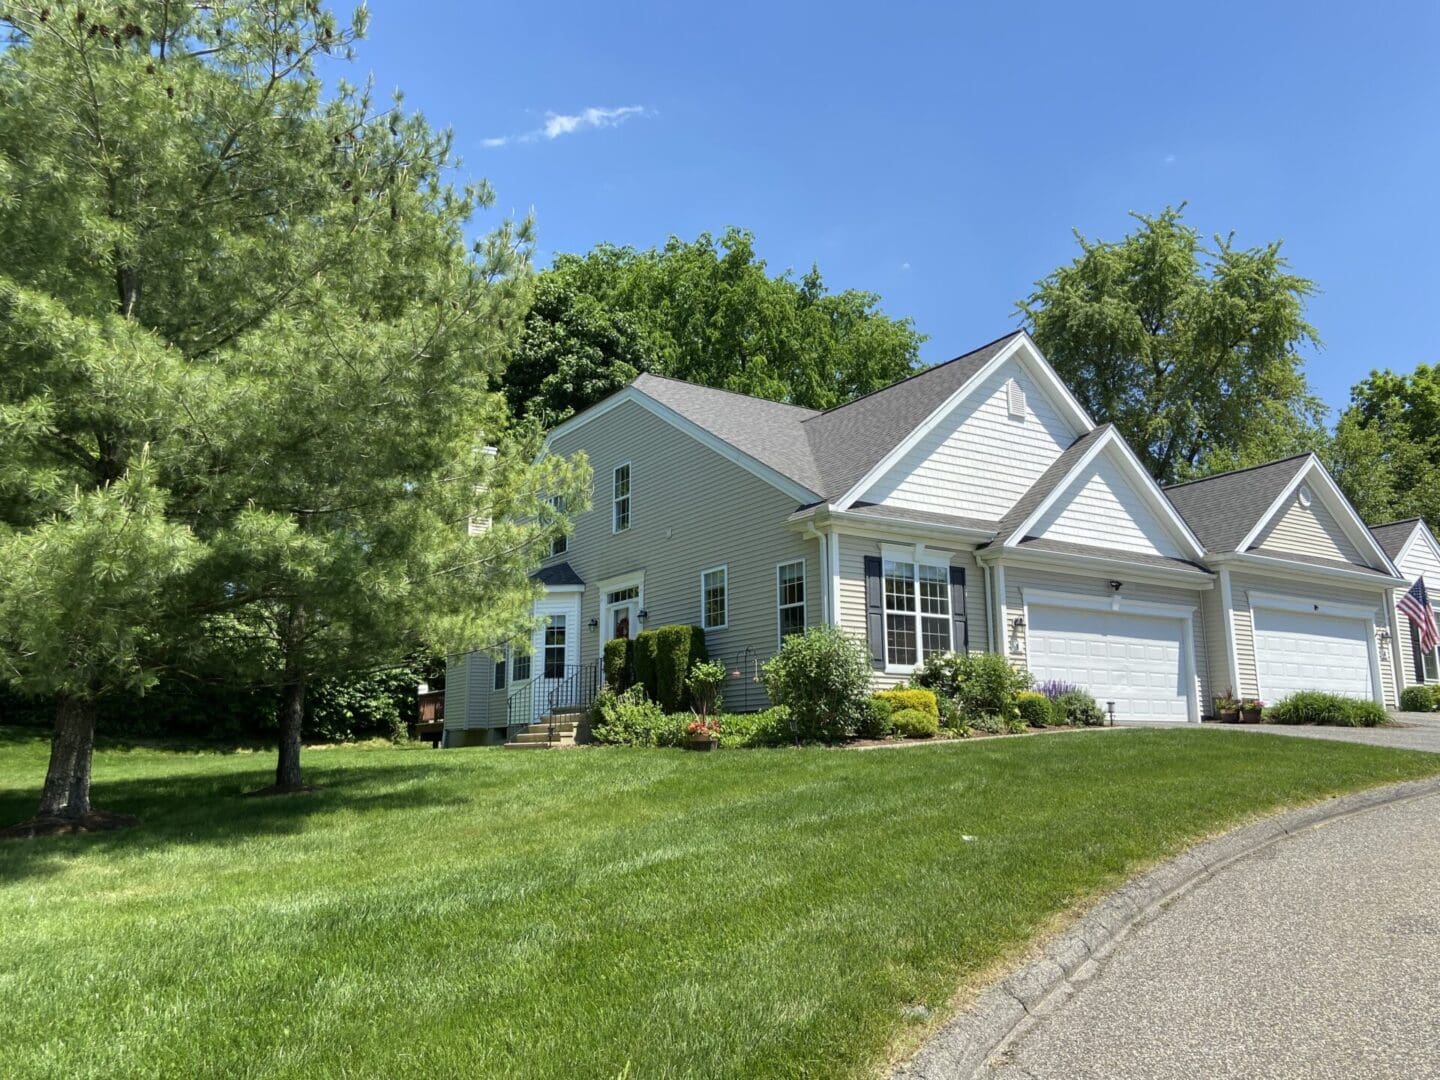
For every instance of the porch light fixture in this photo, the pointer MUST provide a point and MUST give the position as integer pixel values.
(1383, 635)
(643, 615)
(1116, 584)
(593, 624)
(1018, 623)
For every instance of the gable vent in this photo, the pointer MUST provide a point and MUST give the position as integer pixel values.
(1015, 399)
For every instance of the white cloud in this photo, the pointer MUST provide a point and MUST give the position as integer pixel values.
(904, 266)
(557, 124)
(1169, 159)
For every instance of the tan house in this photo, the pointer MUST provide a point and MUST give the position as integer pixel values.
(1412, 548)
(974, 506)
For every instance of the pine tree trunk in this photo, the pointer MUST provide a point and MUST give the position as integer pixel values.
(67, 782)
(292, 717)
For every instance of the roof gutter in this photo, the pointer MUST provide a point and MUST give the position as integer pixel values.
(822, 515)
(1377, 579)
(1053, 560)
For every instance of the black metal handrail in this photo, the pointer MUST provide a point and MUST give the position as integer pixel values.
(567, 687)
(575, 692)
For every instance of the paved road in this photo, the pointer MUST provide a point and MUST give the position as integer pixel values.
(1414, 731)
(1319, 957)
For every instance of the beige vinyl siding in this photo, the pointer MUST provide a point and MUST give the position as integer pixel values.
(1419, 561)
(1103, 509)
(979, 460)
(1242, 584)
(1309, 530)
(469, 686)
(1217, 660)
(1017, 579)
(691, 509)
(853, 550)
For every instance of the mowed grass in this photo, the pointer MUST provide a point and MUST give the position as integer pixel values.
(596, 913)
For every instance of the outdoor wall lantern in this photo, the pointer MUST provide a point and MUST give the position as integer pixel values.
(1116, 584)
(1018, 623)
(643, 615)
(594, 624)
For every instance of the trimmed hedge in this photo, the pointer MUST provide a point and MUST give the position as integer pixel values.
(1034, 709)
(876, 723)
(1418, 699)
(677, 647)
(1077, 708)
(619, 664)
(911, 698)
(1331, 710)
(914, 724)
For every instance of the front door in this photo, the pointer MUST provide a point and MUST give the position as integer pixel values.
(621, 615)
(555, 652)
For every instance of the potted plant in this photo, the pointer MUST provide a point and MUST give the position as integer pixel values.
(1250, 710)
(1227, 708)
(704, 734)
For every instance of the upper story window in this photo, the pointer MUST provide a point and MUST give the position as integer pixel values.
(714, 598)
(917, 612)
(620, 499)
(561, 543)
(790, 597)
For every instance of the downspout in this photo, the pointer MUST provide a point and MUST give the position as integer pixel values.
(834, 582)
(989, 614)
(1397, 663)
(1000, 602)
(1232, 656)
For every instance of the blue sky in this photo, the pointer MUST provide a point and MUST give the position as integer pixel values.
(941, 154)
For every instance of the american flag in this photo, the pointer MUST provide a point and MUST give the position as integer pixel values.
(1416, 606)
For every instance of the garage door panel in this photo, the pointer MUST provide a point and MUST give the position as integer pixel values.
(1297, 650)
(1132, 660)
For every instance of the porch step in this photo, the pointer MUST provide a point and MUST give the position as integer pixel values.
(544, 735)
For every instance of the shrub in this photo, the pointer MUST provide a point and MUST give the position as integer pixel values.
(1078, 708)
(950, 718)
(1053, 688)
(876, 723)
(626, 719)
(705, 681)
(1016, 725)
(989, 723)
(1418, 699)
(642, 663)
(1334, 710)
(914, 724)
(768, 728)
(823, 676)
(619, 663)
(979, 683)
(1034, 708)
(911, 698)
(662, 661)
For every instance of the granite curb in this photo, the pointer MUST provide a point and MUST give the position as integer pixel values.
(1009, 1005)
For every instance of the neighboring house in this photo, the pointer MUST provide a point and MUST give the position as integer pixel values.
(974, 505)
(1412, 548)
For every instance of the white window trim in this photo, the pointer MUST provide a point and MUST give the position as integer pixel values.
(500, 672)
(515, 657)
(724, 568)
(779, 606)
(629, 498)
(919, 555)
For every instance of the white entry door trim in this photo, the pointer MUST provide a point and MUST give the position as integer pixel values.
(1325, 610)
(1183, 615)
(553, 611)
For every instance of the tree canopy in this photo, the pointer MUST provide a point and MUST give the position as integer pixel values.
(1386, 451)
(248, 367)
(1193, 352)
(707, 311)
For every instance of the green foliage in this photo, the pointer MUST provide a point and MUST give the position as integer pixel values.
(911, 698)
(1077, 708)
(1418, 699)
(707, 311)
(1333, 710)
(632, 719)
(978, 683)
(989, 723)
(1015, 725)
(914, 724)
(644, 662)
(619, 663)
(1191, 351)
(769, 728)
(669, 652)
(1034, 708)
(876, 722)
(823, 676)
(1386, 455)
(705, 683)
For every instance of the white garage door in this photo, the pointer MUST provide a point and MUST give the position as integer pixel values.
(1297, 650)
(1132, 660)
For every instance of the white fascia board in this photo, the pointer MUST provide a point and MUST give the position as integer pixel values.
(1346, 516)
(1143, 481)
(1420, 533)
(1094, 564)
(1117, 602)
(798, 492)
(853, 524)
(1279, 602)
(1278, 563)
(563, 589)
(1038, 367)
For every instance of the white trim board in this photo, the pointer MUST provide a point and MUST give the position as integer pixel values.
(1022, 348)
(1325, 609)
(1416, 531)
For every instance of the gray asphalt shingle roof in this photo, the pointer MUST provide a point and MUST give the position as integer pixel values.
(1136, 558)
(1392, 536)
(1049, 480)
(557, 574)
(824, 452)
(1221, 510)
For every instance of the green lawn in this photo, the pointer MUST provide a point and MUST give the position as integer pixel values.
(582, 914)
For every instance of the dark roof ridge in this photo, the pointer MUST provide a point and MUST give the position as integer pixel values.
(917, 374)
(1237, 472)
(1397, 521)
(724, 390)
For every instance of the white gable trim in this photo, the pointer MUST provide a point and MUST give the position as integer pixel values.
(1420, 529)
(1144, 484)
(1022, 348)
(798, 492)
(1345, 515)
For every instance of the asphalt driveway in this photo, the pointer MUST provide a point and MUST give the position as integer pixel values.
(1413, 731)
(1318, 957)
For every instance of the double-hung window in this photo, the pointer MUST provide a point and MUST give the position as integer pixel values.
(917, 611)
(620, 499)
(560, 543)
(790, 598)
(714, 598)
(500, 663)
(520, 666)
(555, 648)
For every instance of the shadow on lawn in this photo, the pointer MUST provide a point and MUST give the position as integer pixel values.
(205, 807)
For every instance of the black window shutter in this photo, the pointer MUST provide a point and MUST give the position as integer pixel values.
(874, 611)
(1416, 655)
(959, 628)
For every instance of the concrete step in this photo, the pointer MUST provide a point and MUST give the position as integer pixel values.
(527, 746)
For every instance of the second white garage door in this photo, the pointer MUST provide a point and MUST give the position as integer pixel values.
(1136, 661)
(1303, 651)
